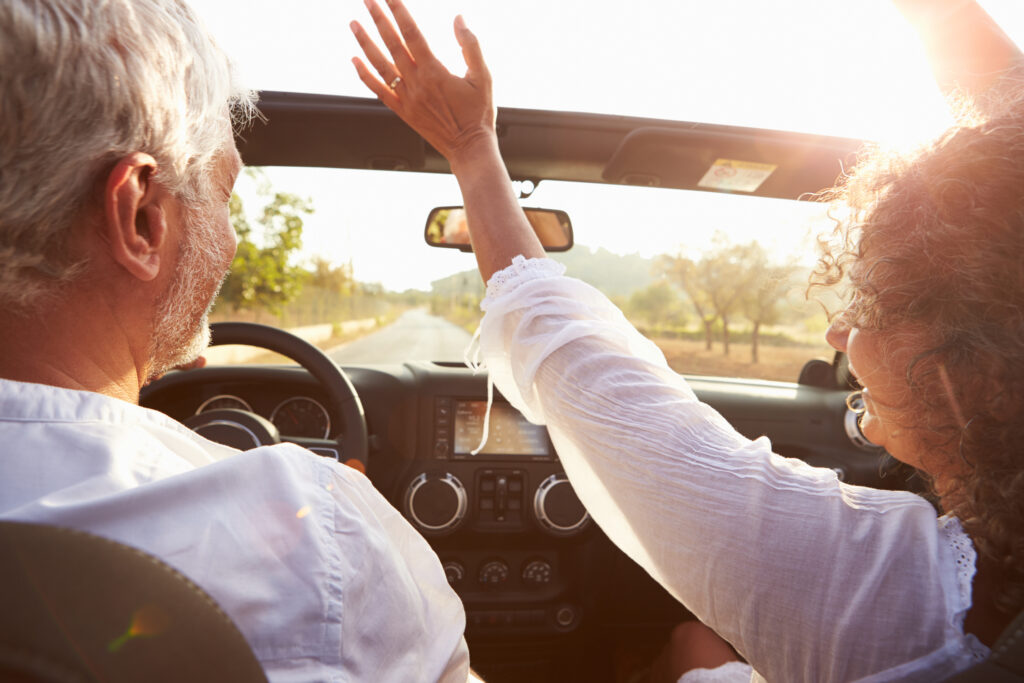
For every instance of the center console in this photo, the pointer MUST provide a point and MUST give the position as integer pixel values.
(496, 480)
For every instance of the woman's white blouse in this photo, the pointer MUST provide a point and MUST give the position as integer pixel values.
(809, 578)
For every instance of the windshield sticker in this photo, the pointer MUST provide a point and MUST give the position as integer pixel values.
(732, 175)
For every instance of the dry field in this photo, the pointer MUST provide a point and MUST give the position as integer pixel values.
(779, 363)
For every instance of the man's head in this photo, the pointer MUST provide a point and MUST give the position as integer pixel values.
(181, 330)
(83, 84)
(116, 118)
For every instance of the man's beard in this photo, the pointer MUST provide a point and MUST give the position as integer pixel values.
(182, 330)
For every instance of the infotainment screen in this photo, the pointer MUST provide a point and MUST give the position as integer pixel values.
(509, 432)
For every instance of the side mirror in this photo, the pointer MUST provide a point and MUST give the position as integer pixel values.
(447, 227)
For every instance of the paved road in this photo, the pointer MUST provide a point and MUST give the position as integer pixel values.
(416, 335)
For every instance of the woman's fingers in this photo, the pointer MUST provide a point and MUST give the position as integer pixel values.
(414, 40)
(394, 43)
(477, 72)
(386, 95)
(384, 67)
(451, 113)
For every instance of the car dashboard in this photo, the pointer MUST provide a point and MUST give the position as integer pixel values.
(535, 574)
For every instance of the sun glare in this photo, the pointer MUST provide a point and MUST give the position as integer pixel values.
(824, 66)
(833, 67)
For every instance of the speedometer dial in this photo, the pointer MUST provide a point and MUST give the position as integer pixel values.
(223, 401)
(302, 416)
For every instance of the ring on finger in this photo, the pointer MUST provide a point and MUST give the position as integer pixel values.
(394, 82)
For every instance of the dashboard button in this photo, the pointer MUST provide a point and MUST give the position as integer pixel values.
(565, 616)
(443, 409)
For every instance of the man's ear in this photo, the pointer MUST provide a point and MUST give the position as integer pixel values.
(135, 225)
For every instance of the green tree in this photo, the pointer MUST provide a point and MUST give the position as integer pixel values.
(331, 278)
(763, 301)
(262, 276)
(331, 290)
(713, 284)
(657, 304)
(728, 278)
(689, 275)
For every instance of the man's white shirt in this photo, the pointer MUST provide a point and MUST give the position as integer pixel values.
(326, 580)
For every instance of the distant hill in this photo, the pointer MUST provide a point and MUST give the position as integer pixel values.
(463, 282)
(613, 274)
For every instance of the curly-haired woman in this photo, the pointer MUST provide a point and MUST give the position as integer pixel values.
(933, 249)
(808, 578)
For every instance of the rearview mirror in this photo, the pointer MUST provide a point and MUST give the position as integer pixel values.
(447, 227)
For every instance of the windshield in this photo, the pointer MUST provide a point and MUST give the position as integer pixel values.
(372, 291)
(356, 277)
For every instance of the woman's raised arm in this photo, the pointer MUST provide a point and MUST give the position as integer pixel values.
(456, 116)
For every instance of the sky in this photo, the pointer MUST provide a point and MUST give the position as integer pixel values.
(823, 66)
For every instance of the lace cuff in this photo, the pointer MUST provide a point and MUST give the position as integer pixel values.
(965, 557)
(521, 270)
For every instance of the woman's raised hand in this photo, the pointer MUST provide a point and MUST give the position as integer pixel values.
(455, 115)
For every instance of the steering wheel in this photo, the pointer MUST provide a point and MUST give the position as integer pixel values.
(342, 399)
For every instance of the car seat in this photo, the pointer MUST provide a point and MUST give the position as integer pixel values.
(1005, 664)
(78, 607)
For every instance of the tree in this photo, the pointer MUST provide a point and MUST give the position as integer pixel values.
(728, 279)
(331, 290)
(690, 277)
(262, 276)
(330, 278)
(657, 304)
(714, 284)
(762, 300)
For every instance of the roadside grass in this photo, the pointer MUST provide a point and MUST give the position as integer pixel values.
(781, 354)
(777, 363)
(466, 317)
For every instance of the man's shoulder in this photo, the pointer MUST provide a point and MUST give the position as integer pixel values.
(286, 469)
(290, 460)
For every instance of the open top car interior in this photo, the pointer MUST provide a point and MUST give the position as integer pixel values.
(547, 596)
(355, 290)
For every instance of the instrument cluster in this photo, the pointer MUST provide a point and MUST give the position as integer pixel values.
(296, 416)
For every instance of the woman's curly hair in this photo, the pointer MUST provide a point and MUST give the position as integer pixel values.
(932, 242)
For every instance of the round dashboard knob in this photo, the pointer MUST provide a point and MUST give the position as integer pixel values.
(493, 573)
(436, 503)
(538, 573)
(454, 572)
(557, 508)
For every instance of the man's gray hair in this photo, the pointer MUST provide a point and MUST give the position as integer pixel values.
(83, 83)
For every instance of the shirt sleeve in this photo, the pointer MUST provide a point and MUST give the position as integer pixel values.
(732, 672)
(808, 578)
